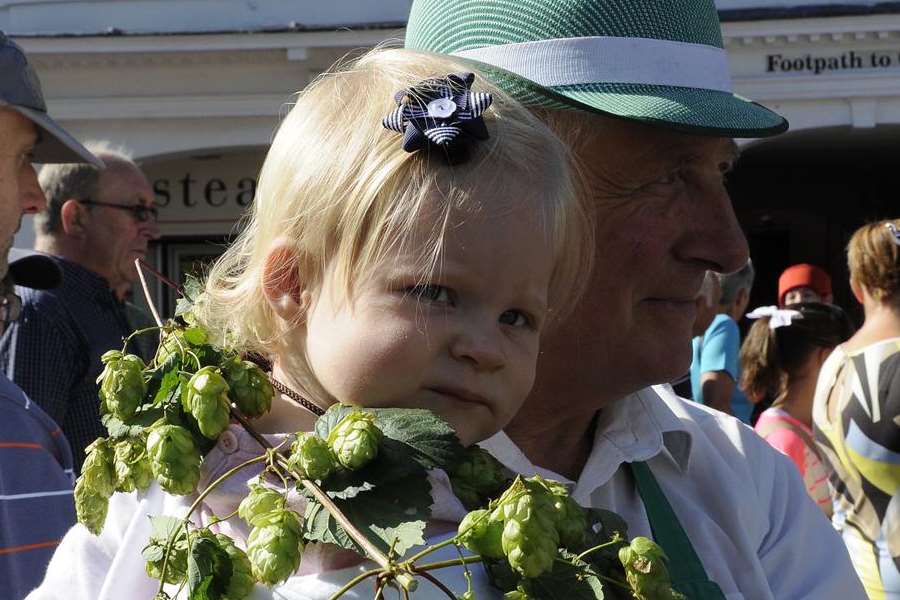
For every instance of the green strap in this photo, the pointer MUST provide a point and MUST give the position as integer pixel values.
(685, 568)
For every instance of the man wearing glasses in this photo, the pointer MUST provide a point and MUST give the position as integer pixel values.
(97, 222)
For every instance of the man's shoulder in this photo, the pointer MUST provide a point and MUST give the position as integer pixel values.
(19, 414)
(721, 325)
(711, 430)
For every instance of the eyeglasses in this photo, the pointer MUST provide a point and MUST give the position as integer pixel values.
(140, 212)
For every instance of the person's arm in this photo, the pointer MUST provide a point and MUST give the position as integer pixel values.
(719, 364)
(717, 389)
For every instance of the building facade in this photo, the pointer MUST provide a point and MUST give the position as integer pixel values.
(195, 88)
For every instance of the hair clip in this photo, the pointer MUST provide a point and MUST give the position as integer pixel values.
(894, 232)
(442, 112)
(778, 317)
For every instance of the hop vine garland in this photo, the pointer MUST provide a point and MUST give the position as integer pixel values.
(364, 475)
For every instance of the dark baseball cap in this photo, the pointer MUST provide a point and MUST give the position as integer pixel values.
(33, 270)
(20, 90)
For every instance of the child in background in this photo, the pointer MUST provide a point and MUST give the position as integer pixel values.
(780, 359)
(376, 276)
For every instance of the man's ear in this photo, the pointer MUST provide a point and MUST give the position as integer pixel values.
(282, 284)
(72, 217)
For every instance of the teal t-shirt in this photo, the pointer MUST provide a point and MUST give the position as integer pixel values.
(718, 349)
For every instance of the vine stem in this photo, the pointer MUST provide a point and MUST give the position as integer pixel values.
(437, 583)
(354, 582)
(466, 560)
(406, 580)
(595, 548)
(139, 264)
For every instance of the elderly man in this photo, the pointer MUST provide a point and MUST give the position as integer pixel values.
(95, 224)
(640, 90)
(35, 460)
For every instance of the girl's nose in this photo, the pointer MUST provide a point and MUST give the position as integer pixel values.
(481, 347)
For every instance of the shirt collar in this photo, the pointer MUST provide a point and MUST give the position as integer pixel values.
(76, 276)
(636, 428)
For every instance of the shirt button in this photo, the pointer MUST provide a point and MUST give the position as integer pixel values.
(228, 442)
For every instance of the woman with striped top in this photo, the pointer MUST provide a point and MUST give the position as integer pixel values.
(856, 414)
(780, 359)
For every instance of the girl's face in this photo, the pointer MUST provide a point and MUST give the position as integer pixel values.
(463, 344)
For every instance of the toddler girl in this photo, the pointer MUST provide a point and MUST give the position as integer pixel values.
(380, 270)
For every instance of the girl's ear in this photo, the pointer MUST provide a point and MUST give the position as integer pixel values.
(282, 282)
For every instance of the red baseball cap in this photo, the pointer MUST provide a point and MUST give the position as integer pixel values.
(804, 275)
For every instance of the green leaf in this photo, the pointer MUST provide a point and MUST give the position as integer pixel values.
(195, 336)
(388, 515)
(167, 385)
(143, 418)
(419, 434)
(570, 579)
(163, 527)
(192, 287)
(183, 305)
(209, 570)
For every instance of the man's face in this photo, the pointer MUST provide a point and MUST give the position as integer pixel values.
(19, 189)
(115, 236)
(663, 218)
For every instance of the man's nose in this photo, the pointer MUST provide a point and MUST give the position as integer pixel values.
(31, 195)
(480, 346)
(150, 229)
(715, 237)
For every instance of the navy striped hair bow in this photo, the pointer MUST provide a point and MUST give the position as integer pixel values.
(441, 112)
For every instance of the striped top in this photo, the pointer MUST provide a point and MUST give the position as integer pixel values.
(856, 417)
(794, 439)
(36, 505)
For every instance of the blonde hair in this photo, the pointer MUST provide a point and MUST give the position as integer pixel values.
(341, 190)
(873, 257)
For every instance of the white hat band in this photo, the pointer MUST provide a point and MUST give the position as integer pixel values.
(601, 59)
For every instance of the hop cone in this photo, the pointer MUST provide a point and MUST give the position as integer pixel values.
(482, 534)
(249, 388)
(207, 400)
(530, 539)
(477, 477)
(174, 459)
(122, 385)
(132, 465)
(355, 439)
(95, 485)
(275, 546)
(311, 457)
(241, 583)
(646, 571)
(569, 517)
(258, 503)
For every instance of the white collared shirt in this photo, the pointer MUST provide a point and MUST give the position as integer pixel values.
(742, 504)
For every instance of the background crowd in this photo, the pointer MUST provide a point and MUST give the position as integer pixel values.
(820, 390)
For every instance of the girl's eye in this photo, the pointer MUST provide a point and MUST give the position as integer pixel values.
(431, 292)
(515, 318)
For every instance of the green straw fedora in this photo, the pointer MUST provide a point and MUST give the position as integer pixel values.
(655, 61)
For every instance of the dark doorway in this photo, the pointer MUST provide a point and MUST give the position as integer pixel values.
(800, 196)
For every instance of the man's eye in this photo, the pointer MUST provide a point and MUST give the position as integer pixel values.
(515, 318)
(431, 292)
